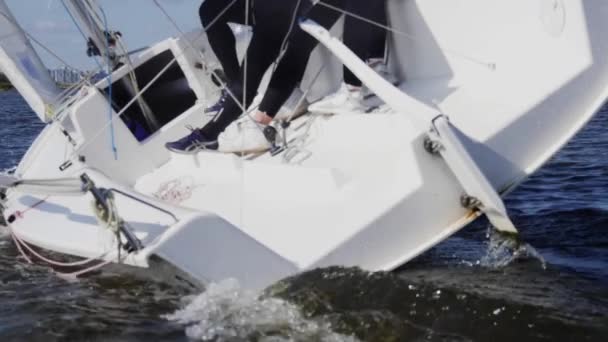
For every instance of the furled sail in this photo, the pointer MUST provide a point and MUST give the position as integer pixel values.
(23, 67)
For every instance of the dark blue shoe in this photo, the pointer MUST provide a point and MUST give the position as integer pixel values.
(192, 143)
(215, 108)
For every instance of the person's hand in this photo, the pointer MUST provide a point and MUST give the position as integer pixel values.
(262, 118)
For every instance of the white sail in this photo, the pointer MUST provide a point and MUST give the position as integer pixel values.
(23, 67)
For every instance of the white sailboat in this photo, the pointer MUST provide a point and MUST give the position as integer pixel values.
(489, 90)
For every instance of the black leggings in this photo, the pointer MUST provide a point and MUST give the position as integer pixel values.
(263, 50)
(220, 35)
(365, 39)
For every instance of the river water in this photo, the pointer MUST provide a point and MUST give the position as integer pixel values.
(551, 285)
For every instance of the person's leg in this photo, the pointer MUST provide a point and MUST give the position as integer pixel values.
(292, 66)
(215, 16)
(263, 49)
(362, 37)
(262, 52)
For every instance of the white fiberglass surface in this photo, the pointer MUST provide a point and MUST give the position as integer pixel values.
(518, 77)
(345, 185)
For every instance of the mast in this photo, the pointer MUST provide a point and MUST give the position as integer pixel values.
(86, 14)
(88, 20)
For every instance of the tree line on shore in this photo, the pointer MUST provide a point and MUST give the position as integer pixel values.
(5, 84)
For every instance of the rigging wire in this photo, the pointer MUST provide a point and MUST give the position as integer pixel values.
(489, 65)
(67, 92)
(284, 46)
(223, 85)
(145, 109)
(285, 42)
(84, 36)
(110, 86)
(246, 61)
(246, 111)
(148, 85)
(108, 69)
(44, 47)
(242, 169)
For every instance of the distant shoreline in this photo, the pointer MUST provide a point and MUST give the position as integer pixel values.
(6, 86)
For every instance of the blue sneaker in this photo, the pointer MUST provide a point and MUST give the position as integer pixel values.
(192, 143)
(213, 109)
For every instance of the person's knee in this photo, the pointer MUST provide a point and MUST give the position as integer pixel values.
(205, 12)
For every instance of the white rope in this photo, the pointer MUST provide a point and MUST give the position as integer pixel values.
(296, 146)
(111, 221)
(175, 191)
(54, 262)
(107, 218)
(15, 239)
(20, 244)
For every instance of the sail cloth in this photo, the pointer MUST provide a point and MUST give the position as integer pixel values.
(23, 67)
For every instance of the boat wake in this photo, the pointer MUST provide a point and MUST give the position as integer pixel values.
(226, 311)
(9, 171)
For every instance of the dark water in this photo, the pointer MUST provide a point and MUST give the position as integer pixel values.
(553, 286)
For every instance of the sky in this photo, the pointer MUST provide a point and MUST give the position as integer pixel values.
(140, 21)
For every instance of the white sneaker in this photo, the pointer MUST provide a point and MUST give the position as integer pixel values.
(382, 70)
(344, 101)
(293, 107)
(243, 136)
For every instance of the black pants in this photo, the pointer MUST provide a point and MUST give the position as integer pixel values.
(272, 22)
(364, 39)
(215, 16)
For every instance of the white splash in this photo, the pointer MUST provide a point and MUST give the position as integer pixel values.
(9, 171)
(505, 249)
(225, 311)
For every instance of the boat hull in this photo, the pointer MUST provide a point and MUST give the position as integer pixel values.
(354, 190)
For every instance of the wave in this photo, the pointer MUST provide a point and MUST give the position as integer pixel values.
(225, 311)
(9, 171)
(505, 249)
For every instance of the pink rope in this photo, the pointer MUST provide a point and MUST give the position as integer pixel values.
(54, 262)
(19, 243)
(86, 270)
(15, 239)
